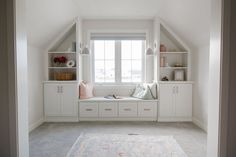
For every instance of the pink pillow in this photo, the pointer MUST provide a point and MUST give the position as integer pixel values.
(86, 90)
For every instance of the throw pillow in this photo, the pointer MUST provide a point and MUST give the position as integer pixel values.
(142, 92)
(86, 90)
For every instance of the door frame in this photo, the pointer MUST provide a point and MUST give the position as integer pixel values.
(18, 118)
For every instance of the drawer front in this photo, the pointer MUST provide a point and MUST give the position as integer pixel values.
(88, 109)
(147, 109)
(128, 109)
(108, 109)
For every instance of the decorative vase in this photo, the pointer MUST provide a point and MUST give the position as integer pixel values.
(162, 61)
(163, 48)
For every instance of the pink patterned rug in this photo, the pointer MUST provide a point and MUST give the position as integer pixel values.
(112, 145)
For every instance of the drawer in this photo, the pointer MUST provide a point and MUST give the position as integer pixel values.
(128, 109)
(108, 109)
(88, 109)
(147, 109)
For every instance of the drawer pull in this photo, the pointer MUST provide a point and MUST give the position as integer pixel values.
(89, 109)
(108, 109)
(147, 109)
(127, 109)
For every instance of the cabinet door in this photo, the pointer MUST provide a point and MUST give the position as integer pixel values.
(52, 100)
(167, 98)
(69, 99)
(183, 100)
(108, 109)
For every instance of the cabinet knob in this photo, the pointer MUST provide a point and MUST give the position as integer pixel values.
(58, 89)
(89, 109)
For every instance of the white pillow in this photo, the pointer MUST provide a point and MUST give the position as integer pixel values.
(153, 88)
(142, 92)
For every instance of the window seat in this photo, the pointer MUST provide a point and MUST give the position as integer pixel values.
(126, 109)
(94, 99)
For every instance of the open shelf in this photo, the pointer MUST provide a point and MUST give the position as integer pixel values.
(173, 52)
(65, 45)
(62, 67)
(62, 52)
(173, 67)
(176, 55)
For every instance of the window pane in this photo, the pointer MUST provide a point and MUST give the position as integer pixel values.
(110, 49)
(126, 71)
(99, 71)
(109, 71)
(126, 49)
(136, 71)
(99, 49)
(136, 49)
(104, 60)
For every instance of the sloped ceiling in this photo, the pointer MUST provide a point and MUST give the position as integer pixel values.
(190, 19)
(47, 18)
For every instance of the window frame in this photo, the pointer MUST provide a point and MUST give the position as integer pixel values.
(118, 67)
(121, 31)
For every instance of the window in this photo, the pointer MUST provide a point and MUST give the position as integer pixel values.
(131, 60)
(118, 61)
(104, 60)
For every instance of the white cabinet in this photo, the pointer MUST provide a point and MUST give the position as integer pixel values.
(166, 107)
(60, 100)
(175, 102)
(183, 100)
(119, 110)
(69, 100)
(52, 99)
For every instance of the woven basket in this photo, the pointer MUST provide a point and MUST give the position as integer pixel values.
(63, 76)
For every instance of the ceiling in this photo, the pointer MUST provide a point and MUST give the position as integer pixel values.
(190, 19)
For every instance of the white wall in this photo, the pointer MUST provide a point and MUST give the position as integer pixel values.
(200, 90)
(35, 86)
(111, 25)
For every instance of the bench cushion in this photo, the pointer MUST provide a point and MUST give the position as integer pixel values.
(94, 99)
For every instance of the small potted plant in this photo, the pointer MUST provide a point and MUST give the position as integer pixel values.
(59, 61)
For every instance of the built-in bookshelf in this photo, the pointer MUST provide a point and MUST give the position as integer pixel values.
(63, 55)
(172, 54)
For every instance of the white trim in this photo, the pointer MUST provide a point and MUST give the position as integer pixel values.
(60, 119)
(36, 124)
(174, 119)
(200, 124)
(118, 119)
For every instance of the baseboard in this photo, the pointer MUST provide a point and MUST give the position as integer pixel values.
(174, 119)
(200, 124)
(36, 124)
(61, 119)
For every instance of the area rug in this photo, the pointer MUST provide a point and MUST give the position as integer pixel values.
(113, 145)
